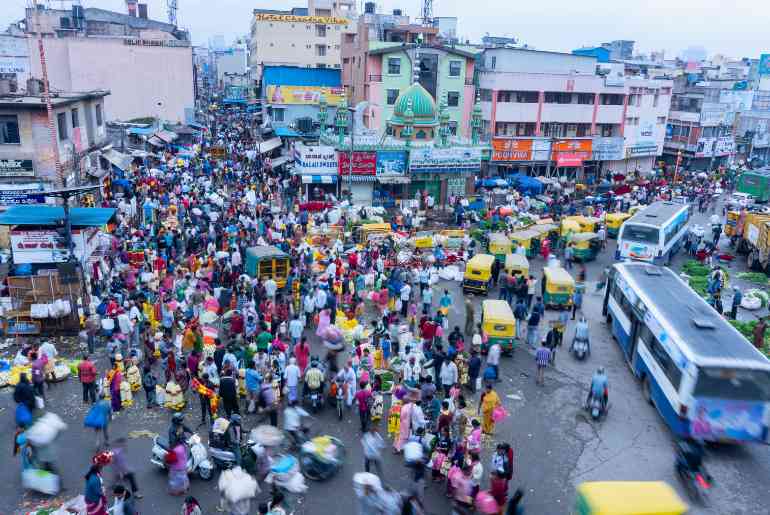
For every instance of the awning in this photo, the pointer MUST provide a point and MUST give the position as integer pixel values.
(319, 179)
(394, 179)
(286, 132)
(166, 136)
(51, 215)
(271, 144)
(97, 172)
(156, 141)
(141, 131)
(279, 161)
(359, 178)
(118, 159)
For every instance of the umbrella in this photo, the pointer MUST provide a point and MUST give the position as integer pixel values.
(208, 317)
(269, 436)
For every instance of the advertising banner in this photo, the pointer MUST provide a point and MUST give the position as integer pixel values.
(364, 163)
(47, 246)
(16, 168)
(506, 149)
(17, 197)
(705, 147)
(304, 95)
(573, 150)
(724, 146)
(445, 160)
(607, 149)
(391, 162)
(642, 149)
(316, 160)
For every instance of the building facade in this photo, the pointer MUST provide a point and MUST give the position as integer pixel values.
(308, 37)
(545, 111)
(27, 155)
(146, 65)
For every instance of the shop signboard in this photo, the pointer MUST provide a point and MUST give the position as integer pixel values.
(724, 146)
(46, 246)
(508, 149)
(705, 147)
(290, 18)
(316, 160)
(645, 130)
(364, 163)
(304, 95)
(445, 160)
(16, 168)
(455, 186)
(642, 149)
(17, 197)
(541, 149)
(571, 151)
(607, 149)
(712, 114)
(391, 162)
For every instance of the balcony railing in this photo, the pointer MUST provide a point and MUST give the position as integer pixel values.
(375, 78)
(469, 82)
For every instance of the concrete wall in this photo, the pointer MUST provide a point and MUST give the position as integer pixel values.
(138, 77)
(230, 62)
(510, 59)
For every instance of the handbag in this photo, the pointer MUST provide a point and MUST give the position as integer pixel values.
(499, 413)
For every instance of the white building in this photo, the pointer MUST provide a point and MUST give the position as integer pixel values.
(548, 110)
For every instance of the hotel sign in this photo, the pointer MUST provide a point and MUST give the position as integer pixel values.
(290, 18)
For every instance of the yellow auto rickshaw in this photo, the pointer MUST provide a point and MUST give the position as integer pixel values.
(558, 287)
(423, 240)
(628, 498)
(498, 322)
(732, 223)
(266, 261)
(453, 238)
(585, 246)
(499, 246)
(517, 263)
(528, 239)
(583, 224)
(366, 232)
(613, 221)
(478, 273)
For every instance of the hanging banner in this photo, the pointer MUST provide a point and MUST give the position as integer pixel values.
(445, 160)
(607, 149)
(46, 246)
(569, 160)
(304, 95)
(16, 168)
(364, 163)
(391, 162)
(505, 149)
(18, 197)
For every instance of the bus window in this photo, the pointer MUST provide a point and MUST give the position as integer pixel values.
(622, 301)
(728, 383)
(661, 357)
(640, 233)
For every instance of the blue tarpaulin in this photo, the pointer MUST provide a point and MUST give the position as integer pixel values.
(285, 132)
(526, 185)
(141, 131)
(51, 215)
(492, 182)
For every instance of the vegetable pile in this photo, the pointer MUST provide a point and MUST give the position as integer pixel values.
(747, 330)
(754, 277)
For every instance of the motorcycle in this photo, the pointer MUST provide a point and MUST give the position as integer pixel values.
(596, 408)
(285, 474)
(197, 462)
(579, 348)
(692, 472)
(337, 396)
(315, 399)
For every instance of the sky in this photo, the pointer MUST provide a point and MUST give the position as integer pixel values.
(736, 28)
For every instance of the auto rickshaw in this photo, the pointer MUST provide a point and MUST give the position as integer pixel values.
(558, 287)
(498, 322)
(569, 225)
(517, 263)
(732, 223)
(585, 246)
(528, 239)
(365, 232)
(423, 240)
(628, 498)
(499, 246)
(613, 221)
(267, 261)
(453, 238)
(478, 273)
(633, 209)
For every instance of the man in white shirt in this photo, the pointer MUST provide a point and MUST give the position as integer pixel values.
(493, 358)
(295, 330)
(348, 375)
(235, 259)
(410, 373)
(292, 375)
(448, 375)
(271, 287)
(320, 299)
(405, 293)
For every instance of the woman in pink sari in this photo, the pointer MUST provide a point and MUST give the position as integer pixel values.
(324, 320)
(405, 427)
(302, 353)
(115, 377)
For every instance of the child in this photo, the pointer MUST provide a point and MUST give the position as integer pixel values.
(149, 381)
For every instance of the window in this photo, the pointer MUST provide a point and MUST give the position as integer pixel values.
(491, 62)
(585, 98)
(320, 65)
(61, 121)
(278, 114)
(611, 99)
(735, 384)
(453, 98)
(622, 301)
(708, 132)
(394, 66)
(454, 68)
(661, 120)
(655, 100)
(75, 118)
(552, 97)
(452, 128)
(420, 134)
(485, 95)
(640, 233)
(661, 357)
(320, 31)
(392, 96)
(9, 130)
(320, 50)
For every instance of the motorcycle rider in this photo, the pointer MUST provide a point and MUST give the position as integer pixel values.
(582, 334)
(235, 435)
(689, 457)
(599, 387)
(178, 431)
(292, 422)
(314, 379)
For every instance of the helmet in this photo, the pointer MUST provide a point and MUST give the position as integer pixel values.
(235, 419)
(600, 370)
(177, 418)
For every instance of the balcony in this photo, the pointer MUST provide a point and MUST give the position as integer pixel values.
(469, 82)
(375, 78)
(567, 113)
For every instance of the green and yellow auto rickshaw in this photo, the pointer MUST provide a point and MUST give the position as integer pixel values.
(628, 498)
(613, 221)
(499, 324)
(528, 239)
(478, 273)
(499, 246)
(558, 287)
(585, 246)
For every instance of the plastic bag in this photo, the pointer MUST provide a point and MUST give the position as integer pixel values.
(499, 413)
(40, 481)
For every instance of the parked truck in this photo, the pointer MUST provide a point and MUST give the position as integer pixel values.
(754, 229)
(755, 183)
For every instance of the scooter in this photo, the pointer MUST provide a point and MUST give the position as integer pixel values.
(596, 407)
(197, 462)
(695, 478)
(316, 399)
(579, 349)
(285, 474)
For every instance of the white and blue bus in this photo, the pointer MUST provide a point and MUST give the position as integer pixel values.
(655, 233)
(706, 380)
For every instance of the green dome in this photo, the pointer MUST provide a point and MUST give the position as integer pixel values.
(422, 103)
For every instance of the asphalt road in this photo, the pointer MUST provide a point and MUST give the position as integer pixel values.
(556, 445)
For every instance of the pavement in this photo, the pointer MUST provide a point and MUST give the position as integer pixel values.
(556, 445)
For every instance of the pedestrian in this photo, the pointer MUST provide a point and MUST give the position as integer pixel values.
(448, 375)
(531, 289)
(373, 445)
(87, 377)
(533, 335)
(291, 376)
(577, 301)
(176, 459)
(228, 391)
(253, 382)
(736, 303)
(123, 470)
(364, 400)
(568, 254)
(493, 359)
(470, 317)
(488, 402)
(268, 400)
(98, 419)
(206, 390)
(474, 369)
(542, 359)
(95, 500)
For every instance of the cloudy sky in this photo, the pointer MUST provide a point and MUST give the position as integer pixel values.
(736, 28)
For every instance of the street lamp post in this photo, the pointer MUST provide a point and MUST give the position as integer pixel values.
(352, 111)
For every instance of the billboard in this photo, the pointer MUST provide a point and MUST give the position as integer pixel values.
(316, 160)
(607, 149)
(764, 64)
(304, 95)
(505, 149)
(364, 163)
(573, 150)
(16, 168)
(46, 246)
(391, 162)
(437, 160)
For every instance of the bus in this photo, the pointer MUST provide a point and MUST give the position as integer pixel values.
(705, 379)
(654, 234)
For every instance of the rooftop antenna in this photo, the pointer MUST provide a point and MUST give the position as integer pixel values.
(427, 13)
(172, 8)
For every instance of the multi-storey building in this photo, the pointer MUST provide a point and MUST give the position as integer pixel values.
(547, 110)
(308, 37)
(378, 64)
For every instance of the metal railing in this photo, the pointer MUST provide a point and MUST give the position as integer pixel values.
(375, 78)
